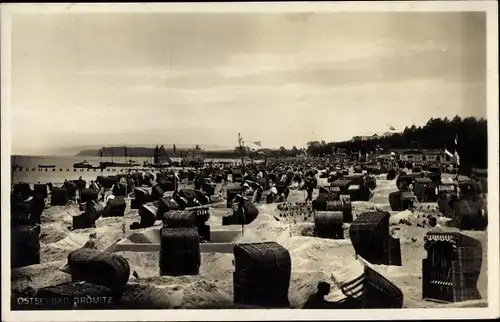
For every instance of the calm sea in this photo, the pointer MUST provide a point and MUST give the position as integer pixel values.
(31, 173)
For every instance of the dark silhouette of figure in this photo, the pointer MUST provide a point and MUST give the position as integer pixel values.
(309, 188)
(317, 300)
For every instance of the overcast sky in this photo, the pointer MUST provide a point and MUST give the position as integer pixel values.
(284, 79)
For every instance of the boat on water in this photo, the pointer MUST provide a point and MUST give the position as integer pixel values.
(46, 166)
(83, 165)
(193, 158)
(153, 165)
(160, 159)
(130, 163)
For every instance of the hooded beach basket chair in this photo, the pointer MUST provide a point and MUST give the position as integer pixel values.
(180, 252)
(401, 200)
(97, 267)
(59, 196)
(115, 207)
(368, 289)
(370, 237)
(329, 224)
(452, 267)
(262, 274)
(25, 245)
(147, 212)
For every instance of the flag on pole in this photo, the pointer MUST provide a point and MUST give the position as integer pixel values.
(457, 157)
(391, 128)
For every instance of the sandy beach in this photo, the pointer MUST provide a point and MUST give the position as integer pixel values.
(313, 259)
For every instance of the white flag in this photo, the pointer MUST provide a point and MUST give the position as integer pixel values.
(457, 157)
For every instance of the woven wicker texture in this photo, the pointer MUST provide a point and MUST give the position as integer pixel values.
(452, 267)
(329, 224)
(165, 205)
(336, 205)
(370, 238)
(398, 202)
(101, 268)
(180, 251)
(179, 219)
(262, 274)
(468, 215)
(379, 292)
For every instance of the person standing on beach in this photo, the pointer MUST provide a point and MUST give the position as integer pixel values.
(309, 188)
(239, 209)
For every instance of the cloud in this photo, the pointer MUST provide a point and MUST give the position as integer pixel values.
(282, 79)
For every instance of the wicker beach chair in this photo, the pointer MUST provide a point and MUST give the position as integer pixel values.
(452, 267)
(262, 275)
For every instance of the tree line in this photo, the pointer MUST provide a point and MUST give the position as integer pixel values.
(437, 133)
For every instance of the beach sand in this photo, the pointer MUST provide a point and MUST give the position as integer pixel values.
(313, 259)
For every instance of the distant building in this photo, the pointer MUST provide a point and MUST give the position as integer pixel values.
(431, 156)
(371, 137)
